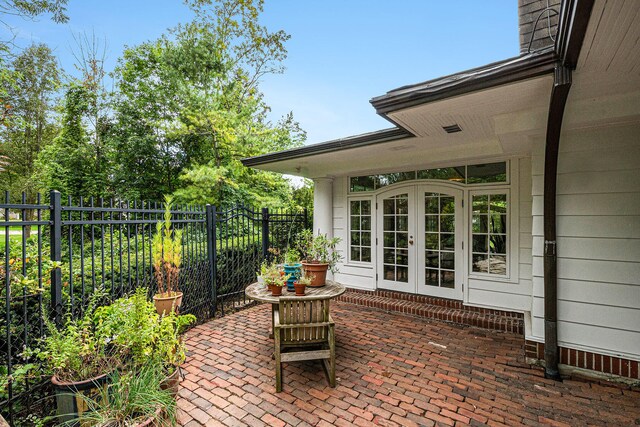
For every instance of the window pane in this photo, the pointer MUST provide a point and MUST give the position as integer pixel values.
(479, 223)
(389, 223)
(480, 243)
(401, 240)
(431, 205)
(431, 223)
(389, 240)
(365, 238)
(432, 259)
(389, 272)
(498, 203)
(355, 238)
(402, 257)
(402, 274)
(366, 255)
(498, 264)
(480, 204)
(392, 178)
(431, 241)
(447, 223)
(456, 174)
(366, 207)
(402, 205)
(355, 207)
(389, 206)
(447, 242)
(355, 253)
(480, 263)
(489, 172)
(447, 279)
(447, 205)
(447, 260)
(431, 277)
(389, 256)
(355, 223)
(498, 244)
(401, 223)
(365, 223)
(362, 183)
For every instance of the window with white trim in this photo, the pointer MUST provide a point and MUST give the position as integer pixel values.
(360, 230)
(489, 233)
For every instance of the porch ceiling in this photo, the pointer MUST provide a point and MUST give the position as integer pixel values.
(484, 133)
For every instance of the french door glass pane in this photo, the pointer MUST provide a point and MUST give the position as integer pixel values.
(395, 238)
(439, 256)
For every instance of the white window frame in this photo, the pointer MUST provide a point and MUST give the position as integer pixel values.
(367, 197)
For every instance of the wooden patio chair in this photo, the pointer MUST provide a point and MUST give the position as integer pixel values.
(304, 330)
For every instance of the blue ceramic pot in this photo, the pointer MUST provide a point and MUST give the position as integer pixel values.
(294, 271)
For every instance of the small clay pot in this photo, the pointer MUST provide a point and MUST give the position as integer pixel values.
(276, 291)
(164, 303)
(299, 288)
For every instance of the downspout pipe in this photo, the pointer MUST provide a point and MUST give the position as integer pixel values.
(559, 94)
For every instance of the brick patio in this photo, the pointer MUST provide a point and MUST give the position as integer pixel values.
(392, 369)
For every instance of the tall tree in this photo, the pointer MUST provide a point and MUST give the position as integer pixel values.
(32, 99)
(190, 108)
(67, 165)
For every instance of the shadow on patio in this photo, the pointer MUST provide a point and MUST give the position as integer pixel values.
(392, 369)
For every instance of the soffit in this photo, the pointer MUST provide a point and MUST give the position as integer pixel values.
(489, 130)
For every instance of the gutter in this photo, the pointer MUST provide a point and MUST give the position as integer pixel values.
(574, 18)
(363, 140)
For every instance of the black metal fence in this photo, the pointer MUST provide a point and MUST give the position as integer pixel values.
(55, 256)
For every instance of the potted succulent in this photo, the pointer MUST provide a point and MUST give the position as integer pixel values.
(167, 257)
(302, 282)
(292, 267)
(319, 255)
(275, 279)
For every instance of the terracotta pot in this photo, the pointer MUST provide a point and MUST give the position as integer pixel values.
(164, 303)
(155, 420)
(319, 270)
(299, 288)
(71, 396)
(276, 291)
(172, 382)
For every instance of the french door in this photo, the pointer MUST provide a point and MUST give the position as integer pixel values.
(420, 240)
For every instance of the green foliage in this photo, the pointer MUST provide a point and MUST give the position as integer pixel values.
(68, 164)
(292, 256)
(167, 252)
(131, 398)
(137, 334)
(75, 352)
(319, 249)
(29, 97)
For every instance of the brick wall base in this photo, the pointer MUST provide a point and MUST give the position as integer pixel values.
(587, 360)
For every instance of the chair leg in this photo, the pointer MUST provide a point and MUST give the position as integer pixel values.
(332, 358)
(278, 361)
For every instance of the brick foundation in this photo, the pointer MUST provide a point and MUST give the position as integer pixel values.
(587, 360)
(437, 308)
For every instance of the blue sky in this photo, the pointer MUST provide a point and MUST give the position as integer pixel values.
(341, 53)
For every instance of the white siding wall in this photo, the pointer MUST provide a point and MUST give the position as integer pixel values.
(354, 276)
(598, 210)
(514, 295)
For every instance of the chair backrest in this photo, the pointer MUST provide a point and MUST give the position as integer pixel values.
(312, 314)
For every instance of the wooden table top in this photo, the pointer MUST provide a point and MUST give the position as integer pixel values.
(259, 292)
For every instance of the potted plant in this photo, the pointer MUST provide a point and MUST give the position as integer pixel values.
(275, 279)
(79, 360)
(292, 267)
(137, 333)
(302, 282)
(135, 398)
(319, 255)
(167, 257)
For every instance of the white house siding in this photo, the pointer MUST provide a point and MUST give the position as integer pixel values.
(598, 208)
(515, 294)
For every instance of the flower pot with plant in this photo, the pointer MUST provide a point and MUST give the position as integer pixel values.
(292, 267)
(138, 334)
(302, 282)
(167, 257)
(275, 278)
(79, 359)
(319, 255)
(135, 398)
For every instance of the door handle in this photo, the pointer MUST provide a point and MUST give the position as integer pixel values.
(411, 240)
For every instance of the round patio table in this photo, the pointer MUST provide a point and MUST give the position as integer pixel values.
(259, 292)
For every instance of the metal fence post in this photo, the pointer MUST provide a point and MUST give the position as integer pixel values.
(306, 219)
(56, 255)
(265, 233)
(212, 249)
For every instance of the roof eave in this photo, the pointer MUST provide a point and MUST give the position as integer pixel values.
(362, 140)
(492, 75)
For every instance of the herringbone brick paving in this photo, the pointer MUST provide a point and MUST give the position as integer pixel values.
(392, 370)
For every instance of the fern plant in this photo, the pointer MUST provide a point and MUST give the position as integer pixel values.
(167, 253)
